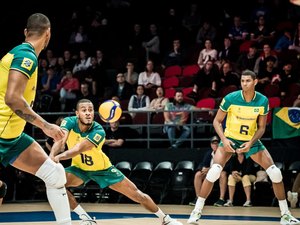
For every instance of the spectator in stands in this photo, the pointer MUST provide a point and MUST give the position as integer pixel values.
(82, 63)
(149, 78)
(292, 196)
(247, 60)
(201, 173)
(206, 32)
(268, 74)
(152, 44)
(284, 41)
(79, 38)
(50, 80)
(176, 116)
(296, 103)
(139, 101)
(122, 88)
(241, 170)
(87, 94)
(207, 53)
(205, 81)
(288, 75)
(115, 136)
(296, 39)
(260, 63)
(160, 101)
(191, 20)
(69, 60)
(228, 77)
(68, 88)
(262, 32)
(92, 76)
(237, 32)
(131, 76)
(52, 60)
(227, 52)
(175, 56)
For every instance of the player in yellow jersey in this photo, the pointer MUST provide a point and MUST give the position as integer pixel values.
(246, 114)
(85, 138)
(18, 72)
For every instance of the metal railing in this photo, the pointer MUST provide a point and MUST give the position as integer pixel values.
(201, 130)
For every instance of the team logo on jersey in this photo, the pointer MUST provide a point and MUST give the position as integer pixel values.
(97, 137)
(63, 123)
(256, 110)
(27, 63)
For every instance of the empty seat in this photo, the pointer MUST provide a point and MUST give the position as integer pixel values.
(159, 181)
(205, 104)
(124, 167)
(190, 70)
(171, 71)
(181, 184)
(170, 82)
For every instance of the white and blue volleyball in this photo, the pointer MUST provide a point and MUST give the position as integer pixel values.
(110, 111)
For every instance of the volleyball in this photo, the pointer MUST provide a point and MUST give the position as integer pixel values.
(110, 111)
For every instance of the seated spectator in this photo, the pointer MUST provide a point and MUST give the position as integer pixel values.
(206, 32)
(205, 81)
(242, 170)
(292, 196)
(284, 41)
(122, 88)
(202, 172)
(131, 76)
(227, 53)
(228, 77)
(176, 116)
(247, 60)
(82, 64)
(206, 54)
(115, 136)
(160, 101)
(261, 61)
(139, 101)
(175, 56)
(68, 88)
(49, 81)
(86, 94)
(149, 78)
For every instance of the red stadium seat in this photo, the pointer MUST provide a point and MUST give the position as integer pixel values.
(170, 82)
(172, 71)
(274, 102)
(190, 70)
(170, 93)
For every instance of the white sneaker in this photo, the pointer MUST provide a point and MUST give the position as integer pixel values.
(194, 217)
(228, 203)
(169, 221)
(288, 219)
(87, 221)
(292, 197)
(247, 204)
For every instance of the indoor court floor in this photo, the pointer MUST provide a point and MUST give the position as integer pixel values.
(128, 214)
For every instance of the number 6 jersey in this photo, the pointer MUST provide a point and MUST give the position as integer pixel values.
(241, 121)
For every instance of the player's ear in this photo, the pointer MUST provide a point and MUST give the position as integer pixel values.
(255, 81)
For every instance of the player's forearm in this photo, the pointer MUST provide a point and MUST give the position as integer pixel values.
(219, 129)
(70, 153)
(258, 134)
(23, 110)
(57, 147)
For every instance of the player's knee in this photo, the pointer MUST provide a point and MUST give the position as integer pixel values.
(274, 173)
(53, 174)
(3, 189)
(214, 173)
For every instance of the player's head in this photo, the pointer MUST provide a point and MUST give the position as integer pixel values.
(248, 80)
(85, 111)
(38, 25)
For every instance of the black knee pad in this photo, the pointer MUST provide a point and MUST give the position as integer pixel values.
(3, 190)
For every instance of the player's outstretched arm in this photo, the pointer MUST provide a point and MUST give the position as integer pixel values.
(14, 98)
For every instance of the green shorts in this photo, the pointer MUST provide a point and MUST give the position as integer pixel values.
(10, 149)
(256, 147)
(103, 178)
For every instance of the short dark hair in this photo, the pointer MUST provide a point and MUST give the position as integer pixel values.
(37, 23)
(84, 100)
(249, 73)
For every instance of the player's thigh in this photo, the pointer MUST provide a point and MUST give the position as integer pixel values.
(263, 158)
(73, 180)
(126, 187)
(31, 159)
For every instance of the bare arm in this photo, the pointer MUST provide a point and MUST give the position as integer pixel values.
(84, 145)
(59, 146)
(217, 123)
(15, 100)
(115, 142)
